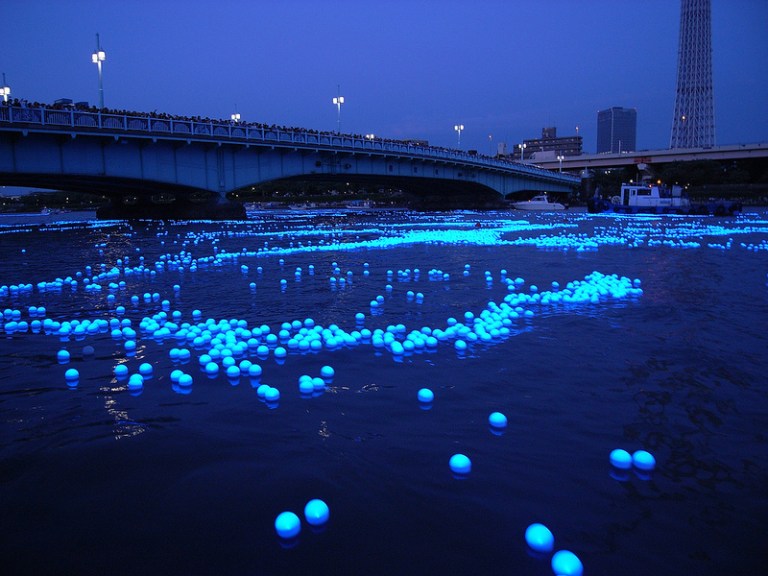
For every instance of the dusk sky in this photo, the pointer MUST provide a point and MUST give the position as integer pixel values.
(406, 68)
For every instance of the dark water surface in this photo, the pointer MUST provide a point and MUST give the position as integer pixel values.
(98, 479)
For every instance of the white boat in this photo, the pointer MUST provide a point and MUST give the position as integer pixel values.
(658, 199)
(540, 202)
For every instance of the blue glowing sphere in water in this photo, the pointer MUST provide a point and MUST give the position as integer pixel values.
(497, 420)
(287, 525)
(643, 460)
(539, 538)
(460, 464)
(425, 395)
(621, 459)
(316, 512)
(566, 563)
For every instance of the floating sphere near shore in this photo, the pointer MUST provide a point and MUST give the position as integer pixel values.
(62, 356)
(539, 538)
(71, 375)
(287, 525)
(566, 563)
(327, 372)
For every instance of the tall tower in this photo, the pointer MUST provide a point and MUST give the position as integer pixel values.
(693, 125)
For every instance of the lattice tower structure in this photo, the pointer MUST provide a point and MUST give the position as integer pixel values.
(693, 125)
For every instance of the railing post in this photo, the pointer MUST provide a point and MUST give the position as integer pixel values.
(99, 116)
(42, 116)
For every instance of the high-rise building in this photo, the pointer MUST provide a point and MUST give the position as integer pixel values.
(616, 130)
(693, 125)
(549, 146)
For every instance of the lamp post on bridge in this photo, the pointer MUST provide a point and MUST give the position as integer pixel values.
(97, 58)
(522, 147)
(235, 117)
(338, 101)
(5, 90)
(459, 128)
(560, 158)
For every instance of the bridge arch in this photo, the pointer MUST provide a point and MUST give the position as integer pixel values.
(199, 163)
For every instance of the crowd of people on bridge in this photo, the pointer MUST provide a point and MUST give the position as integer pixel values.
(84, 107)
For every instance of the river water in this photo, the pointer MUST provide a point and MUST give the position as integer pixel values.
(588, 332)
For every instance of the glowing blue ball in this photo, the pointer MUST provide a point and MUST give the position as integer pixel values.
(621, 459)
(121, 371)
(539, 538)
(643, 460)
(460, 464)
(145, 369)
(327, 372)
(233, 372)
(566, 563)
(305, 385)
(316, 512)
(254, 371)
(212, 368)
(272, 394)
(287, 525)
(72, 375)
(497, 420)
(425, 395)
(460, 345)
(185, 380)
(175, 375)
(135, 382)
(62, 356)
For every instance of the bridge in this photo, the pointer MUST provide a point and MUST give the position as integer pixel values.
(161, 166)
(648, 157)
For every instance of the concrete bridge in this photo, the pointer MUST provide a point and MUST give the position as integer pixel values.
(161, 166)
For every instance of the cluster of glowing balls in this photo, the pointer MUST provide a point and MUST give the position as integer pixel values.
(288, 524)
(541, 540)
(640, 459)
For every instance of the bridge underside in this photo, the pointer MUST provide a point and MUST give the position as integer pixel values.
(151, 177)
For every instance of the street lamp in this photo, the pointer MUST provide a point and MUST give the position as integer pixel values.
(235, 117)
(560, 157)
(338, 101)
(522, 147)
(5, 90)
(370, 136)
(459, 128)
(97, 58)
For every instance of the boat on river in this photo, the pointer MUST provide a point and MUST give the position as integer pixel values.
(659, 199)
(539, 203)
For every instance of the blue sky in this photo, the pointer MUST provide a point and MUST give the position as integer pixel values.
(406, 68)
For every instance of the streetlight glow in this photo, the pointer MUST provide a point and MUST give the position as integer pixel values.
(560, 157)
(459, 128)
(522, 147)
(235, 117)
(97, 58)
(338, 101)
(5, 90)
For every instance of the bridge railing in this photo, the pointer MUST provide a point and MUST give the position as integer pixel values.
(83, 120)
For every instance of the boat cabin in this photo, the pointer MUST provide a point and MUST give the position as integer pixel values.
(643, 195)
